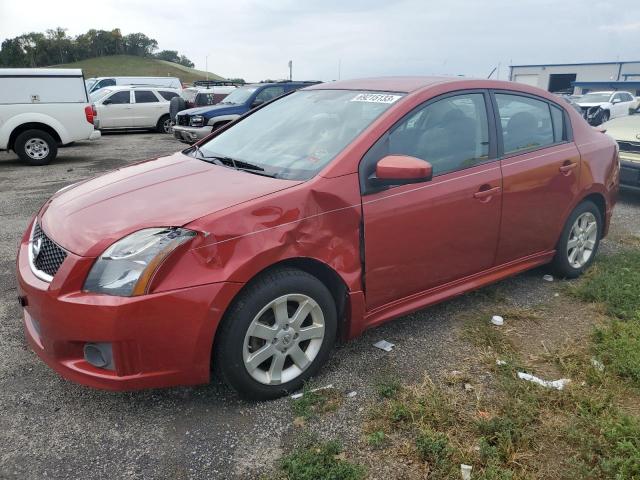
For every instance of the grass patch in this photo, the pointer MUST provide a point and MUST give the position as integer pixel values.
(320, 461)
(376, 439)
(614, 281)
(618, 347)
(318, 402)
(388, 386)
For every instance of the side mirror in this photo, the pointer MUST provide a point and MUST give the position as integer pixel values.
(256, 103)
(107, 102)
(401, 170)
(615, 100)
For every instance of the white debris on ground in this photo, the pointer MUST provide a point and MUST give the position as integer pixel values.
(384, 345)
(547, 278)
(557, 384)
(465, 471)
(500, 362)
(597, 364)
(497, 320)
(352, 394)
(296, 396)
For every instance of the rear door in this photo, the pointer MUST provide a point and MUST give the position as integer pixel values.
(115, 111)
(148, 108)
(540, 170)
(424, 235)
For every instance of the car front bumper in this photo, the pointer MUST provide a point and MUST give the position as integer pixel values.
(630, 170)
(190, 134)
(158, 340)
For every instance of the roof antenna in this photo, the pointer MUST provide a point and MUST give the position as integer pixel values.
(494, 69)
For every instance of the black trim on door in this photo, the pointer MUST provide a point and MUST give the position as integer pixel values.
(380, 146)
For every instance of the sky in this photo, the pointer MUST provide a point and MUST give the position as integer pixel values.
(332, 39)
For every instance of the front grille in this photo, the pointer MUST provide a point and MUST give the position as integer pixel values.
(629, 147)
(49, 256)
(182, 120)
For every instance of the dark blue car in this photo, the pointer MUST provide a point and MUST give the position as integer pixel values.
(196, 123)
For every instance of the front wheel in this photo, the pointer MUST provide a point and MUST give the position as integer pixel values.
(277, 334)
(579, 241)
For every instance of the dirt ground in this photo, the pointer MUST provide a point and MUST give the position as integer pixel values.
(51, 428)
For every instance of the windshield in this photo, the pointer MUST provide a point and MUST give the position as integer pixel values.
(239, 95)
(595, 98)
(296, 136)
(89, 82)
(99, 94)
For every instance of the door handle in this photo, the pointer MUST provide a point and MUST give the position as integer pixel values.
(486, 192)
(566, 168)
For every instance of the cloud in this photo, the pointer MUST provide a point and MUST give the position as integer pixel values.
(255, 39)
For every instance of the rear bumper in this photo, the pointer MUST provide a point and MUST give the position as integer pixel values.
(158, 340)
(190, 134)
(95, 135)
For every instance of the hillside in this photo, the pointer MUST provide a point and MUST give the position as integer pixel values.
(129, 65)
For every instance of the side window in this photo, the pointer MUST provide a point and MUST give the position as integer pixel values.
(269, 93)
(526, 122)
(617, 96)
(627, 97)
(120, 97)
(451, 133)
(145, 96)
(559, 129)
(106, 82)
(167, 95)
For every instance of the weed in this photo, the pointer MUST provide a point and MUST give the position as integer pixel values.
(320, 461)
(376, 439)
(313, 403)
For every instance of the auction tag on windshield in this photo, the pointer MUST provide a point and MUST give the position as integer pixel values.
(375, 98)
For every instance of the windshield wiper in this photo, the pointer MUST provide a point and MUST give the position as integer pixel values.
(232, 162)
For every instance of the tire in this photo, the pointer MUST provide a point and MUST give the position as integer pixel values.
(164, 124)
(566, 263)
(36, 147)
(239, 341)
(176, 104)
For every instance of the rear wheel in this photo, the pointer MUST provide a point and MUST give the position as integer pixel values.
(36, 147)
(277, 334)
(579, 242)
(164, 124)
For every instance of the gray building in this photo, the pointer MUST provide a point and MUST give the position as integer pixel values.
(579, 78)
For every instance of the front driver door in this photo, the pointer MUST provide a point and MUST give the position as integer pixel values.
(421, 236)
(116, 111)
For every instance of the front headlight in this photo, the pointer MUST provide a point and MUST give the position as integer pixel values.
(196, 121)
(126, 267)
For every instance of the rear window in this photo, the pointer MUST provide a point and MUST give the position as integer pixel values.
(526, 122)
(145, 96)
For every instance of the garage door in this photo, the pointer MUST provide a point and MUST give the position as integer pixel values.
(527, 79)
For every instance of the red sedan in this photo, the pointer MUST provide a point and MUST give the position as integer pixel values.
(319, 215)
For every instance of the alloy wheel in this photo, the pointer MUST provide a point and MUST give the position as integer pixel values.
(283, 339)
(582, 240)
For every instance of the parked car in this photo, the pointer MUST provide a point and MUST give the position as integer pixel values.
(199, 96)
(194, 124)
(94, 84)
(626, 131)
(314, 217)
(129, 107)
(600, 107)
(41, 109)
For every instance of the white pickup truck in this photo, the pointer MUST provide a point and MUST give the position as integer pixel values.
(42, 108)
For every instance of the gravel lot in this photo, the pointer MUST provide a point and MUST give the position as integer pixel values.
(51, 428)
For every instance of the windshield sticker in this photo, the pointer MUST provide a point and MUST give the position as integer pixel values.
(375, 98)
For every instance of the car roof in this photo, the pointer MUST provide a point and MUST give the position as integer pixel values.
(116, 88)
(387, 84)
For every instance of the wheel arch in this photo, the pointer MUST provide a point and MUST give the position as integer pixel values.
(318, 269)
(32, 126)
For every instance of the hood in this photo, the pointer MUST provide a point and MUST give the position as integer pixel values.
(209, 110)
(168, 191)
(591, 104)
(626, 129)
